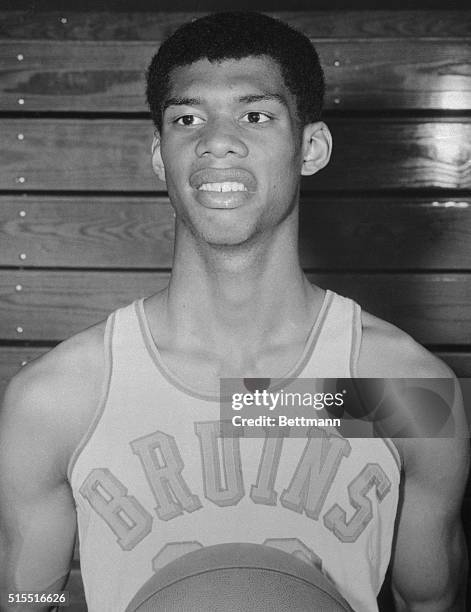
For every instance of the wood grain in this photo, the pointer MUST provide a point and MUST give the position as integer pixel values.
(335, 232)
(12, 358)
(127, 25)
(385, 233)
(102, 154)
(92, 232)
(434, 308)
(54, 305)
(102, 76)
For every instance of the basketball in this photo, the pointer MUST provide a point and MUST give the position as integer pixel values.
(238, 578)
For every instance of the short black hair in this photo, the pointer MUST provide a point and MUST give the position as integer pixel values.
(236, 35)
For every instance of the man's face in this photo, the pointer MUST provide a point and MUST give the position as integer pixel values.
(231, 148)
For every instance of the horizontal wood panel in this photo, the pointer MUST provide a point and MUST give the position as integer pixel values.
(103, 154)
(12, 358)
(335, 233)
(109, 76)
(54, 305)
(385, 233)
(460, 363)
(87, 232)
(434, 308)
(157, 25)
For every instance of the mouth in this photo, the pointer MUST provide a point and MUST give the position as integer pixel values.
(223, 180)
(222, 187)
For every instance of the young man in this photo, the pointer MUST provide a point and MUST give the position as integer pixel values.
(118, 426)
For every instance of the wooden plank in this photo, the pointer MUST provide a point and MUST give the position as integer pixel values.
(460, 363)
(87, 232)
(397, 75)
(11, 360)
(335, 233)
(157, 25)
(109, 76)
(385, 233)
(102, 154)
(54, 305)
(434, 308)
(74, 76)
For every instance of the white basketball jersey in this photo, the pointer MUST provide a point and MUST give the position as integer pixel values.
(152, 479)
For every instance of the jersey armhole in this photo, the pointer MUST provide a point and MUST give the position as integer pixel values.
(357, 329)
(356, 340)
(108, 359)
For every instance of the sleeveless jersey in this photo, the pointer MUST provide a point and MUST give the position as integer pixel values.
(152, 479)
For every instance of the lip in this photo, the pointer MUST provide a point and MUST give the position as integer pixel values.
(222, 200)
(222, 175)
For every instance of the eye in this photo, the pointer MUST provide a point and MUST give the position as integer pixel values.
(188, 120)
(256, 117)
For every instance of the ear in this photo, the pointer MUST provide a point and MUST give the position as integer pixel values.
(317, 147)
(157, 162)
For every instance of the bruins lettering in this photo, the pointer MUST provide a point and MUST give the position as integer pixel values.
(305, 493)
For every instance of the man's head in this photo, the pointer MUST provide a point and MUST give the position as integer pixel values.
(237, 111)
(237, 35)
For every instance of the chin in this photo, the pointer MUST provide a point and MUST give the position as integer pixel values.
(226, 240)
(229, 237)
(222, 234)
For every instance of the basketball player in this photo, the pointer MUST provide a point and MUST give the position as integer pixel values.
(116, 429)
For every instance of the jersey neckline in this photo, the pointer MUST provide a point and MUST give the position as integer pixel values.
(172, 377)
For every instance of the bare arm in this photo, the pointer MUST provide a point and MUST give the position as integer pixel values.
(45, 412)
(37, 515)
(429, 559)
(429, 565)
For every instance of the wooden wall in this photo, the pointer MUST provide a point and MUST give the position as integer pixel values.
(85, 227)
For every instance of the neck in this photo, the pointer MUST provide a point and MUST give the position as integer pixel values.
(235, 298)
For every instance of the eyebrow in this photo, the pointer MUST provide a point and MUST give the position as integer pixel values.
(264, 97)
(181, 102)
(247, 99)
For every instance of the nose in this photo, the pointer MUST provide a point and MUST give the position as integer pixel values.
(220, 139)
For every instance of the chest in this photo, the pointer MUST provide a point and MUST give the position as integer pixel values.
(203, 370)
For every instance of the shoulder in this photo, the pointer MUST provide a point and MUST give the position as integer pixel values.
(75, 363)
(54, 397)
(388, 352)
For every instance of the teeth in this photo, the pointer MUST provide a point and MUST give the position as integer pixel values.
(228, 186)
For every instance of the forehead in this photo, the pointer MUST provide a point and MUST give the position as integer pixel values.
(234, 76)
